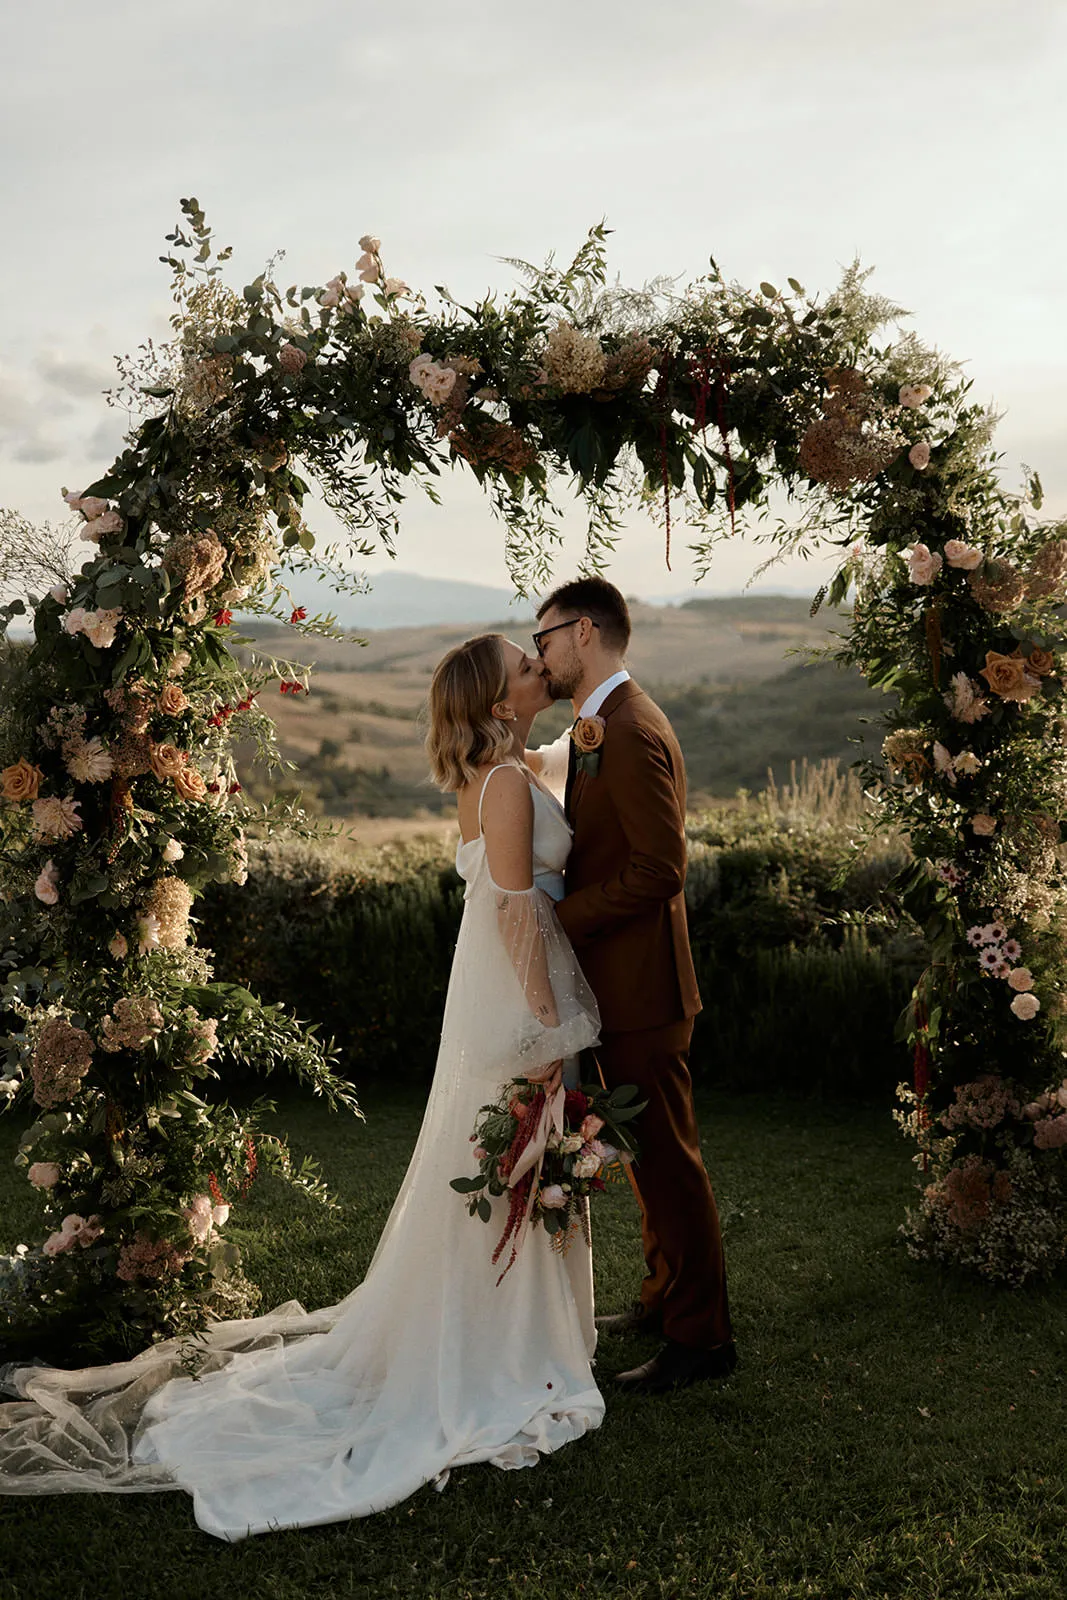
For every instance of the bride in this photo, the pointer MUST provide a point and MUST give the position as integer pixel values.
(298, 1418)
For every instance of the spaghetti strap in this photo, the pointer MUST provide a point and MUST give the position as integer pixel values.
(498, 768)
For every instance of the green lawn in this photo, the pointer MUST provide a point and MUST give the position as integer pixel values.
(888, 1433)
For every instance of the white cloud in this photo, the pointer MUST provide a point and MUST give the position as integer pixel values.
(782, 138)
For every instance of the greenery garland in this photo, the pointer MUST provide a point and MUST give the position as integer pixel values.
(121, 798)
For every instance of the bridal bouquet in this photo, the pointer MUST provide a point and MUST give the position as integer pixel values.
(548, 1152)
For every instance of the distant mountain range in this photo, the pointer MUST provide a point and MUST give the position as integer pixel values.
(408, 600)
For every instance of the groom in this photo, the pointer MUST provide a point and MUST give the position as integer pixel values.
(624, 913)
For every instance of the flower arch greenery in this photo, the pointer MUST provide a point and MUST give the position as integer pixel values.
(120, 796)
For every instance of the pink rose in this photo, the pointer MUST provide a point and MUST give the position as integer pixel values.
(91, 506)
(198, 1216)
(587, 1164)
(552, 1197)
(393, 288)
(44, 1174)
(291, 358)
(99, 626)
(1025, 1007)
(47, 886)
(924, 565)
(914, 394)
(370, 244)
(56, 1243)
(367, 268)
(95, 530)
(964, 556)
(591, 1126)
(919, 456)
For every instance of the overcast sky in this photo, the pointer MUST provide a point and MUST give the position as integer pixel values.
(781, 136)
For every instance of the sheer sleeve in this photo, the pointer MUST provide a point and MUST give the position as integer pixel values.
(558, 1015)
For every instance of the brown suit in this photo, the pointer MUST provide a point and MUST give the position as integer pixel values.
(624, 912)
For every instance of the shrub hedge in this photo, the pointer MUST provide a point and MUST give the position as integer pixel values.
(803, 960)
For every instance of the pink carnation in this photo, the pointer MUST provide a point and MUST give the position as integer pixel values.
(44, 1174)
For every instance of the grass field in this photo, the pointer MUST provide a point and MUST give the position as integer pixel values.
(888, 1432)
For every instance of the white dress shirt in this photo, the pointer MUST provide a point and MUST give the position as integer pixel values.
(593, 702)
(554, 757)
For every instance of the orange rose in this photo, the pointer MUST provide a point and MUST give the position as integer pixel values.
(1040, 662)
(1008, 677)
(588, 734)
(172, 700)
(21, 782)
(167, 761)
(189, 784)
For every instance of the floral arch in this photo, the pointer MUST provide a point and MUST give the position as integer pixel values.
(119, 793)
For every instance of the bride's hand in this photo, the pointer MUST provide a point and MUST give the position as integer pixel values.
(550, 1077)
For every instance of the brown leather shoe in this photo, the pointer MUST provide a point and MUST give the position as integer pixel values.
(676, 1366)
(637, 1320)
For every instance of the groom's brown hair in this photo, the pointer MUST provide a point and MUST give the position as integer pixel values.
(598, 600)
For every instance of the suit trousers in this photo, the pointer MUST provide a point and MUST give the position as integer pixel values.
(685, 1281)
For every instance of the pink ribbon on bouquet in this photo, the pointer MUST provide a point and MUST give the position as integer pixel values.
(549, 1116)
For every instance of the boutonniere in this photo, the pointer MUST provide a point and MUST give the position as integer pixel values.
(587, 735)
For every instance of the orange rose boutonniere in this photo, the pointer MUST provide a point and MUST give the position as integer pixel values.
(587, 735)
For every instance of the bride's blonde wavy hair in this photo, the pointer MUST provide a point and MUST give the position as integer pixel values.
(464, 734)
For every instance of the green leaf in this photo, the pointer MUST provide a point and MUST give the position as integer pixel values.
(468, 1185)
(769, 290)
(485, 1210)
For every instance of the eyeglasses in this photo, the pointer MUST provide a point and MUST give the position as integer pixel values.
(544, 633)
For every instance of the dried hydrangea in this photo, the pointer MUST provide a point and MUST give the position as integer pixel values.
(198, 562)
(203, 1037)
(998, 587)
(131, 754)
(1047, 578)
(626, 368)
(905, 753)
(495, 444)
(984, 1104)
(135, 1022)
(169, 905)
(61, 1058)
(149, 1258)
(574, 362)
(845, 445)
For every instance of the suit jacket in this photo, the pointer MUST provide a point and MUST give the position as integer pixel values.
(624, 908)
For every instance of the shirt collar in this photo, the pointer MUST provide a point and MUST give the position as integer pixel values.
(593, 702)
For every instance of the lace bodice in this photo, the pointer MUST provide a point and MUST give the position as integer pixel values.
(551, 845)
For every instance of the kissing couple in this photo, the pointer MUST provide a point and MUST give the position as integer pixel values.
(573, 936)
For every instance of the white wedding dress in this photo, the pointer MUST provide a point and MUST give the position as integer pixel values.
(302, 1418)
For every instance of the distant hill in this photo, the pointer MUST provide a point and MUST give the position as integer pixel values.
(730, 671)
(409, 600)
